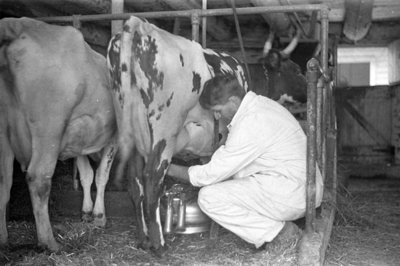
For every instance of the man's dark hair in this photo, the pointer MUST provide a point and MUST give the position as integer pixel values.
(218, 90)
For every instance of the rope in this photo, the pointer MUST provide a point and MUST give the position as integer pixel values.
(240, 41)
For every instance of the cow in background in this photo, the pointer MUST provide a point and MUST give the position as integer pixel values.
(284, 81)
(54, 104)
(157, 80)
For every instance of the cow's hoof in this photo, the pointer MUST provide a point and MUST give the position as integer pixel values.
(52, 246)
(99, 220)
(159, 252)
(3, 242)
(3, 245)
(87, 217)
(145, 245)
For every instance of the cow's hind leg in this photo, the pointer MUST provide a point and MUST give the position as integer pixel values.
(86, 177)
(39, 174)
(136, 193)
(6, 170)
(102, 175)
(155, 170)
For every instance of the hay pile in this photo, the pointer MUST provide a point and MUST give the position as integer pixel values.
(87, 245)
(367, 224)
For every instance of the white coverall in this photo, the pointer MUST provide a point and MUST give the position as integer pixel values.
(263, 166)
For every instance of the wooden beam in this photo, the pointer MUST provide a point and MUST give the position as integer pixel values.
(358, 19)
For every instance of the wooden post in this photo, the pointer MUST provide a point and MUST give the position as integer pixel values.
(117, 6)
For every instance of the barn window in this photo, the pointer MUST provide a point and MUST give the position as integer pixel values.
(362, 66)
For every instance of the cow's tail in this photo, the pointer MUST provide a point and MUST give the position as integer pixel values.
(125, 140)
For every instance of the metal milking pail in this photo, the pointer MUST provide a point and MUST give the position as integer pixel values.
(180, 212)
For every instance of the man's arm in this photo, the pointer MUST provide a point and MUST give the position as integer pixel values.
(179, 172)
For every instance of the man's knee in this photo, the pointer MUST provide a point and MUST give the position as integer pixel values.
(207, 198)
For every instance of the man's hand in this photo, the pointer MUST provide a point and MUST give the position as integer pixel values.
(179, 172)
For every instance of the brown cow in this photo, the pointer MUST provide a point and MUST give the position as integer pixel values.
(285, 82)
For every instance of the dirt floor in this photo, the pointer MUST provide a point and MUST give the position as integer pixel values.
(366, 232)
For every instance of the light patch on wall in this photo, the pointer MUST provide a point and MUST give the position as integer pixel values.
(376, 57)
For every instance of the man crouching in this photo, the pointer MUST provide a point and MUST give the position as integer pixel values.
(255, 183)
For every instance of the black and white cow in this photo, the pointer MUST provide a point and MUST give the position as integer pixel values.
(158, 78)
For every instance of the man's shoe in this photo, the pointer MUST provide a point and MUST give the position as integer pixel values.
(287, 237)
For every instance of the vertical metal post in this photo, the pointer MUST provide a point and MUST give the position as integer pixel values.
(76, 22)
(177, 26)
(117, 6)
(318, 136)
(312, 79)
(204, 25)
(325, 79)
(195, 36)
(195, 26)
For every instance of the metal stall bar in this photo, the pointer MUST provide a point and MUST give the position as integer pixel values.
(312, 79)
(329, 155)
(188, 13)
(204, 25)
(195, 19)
(324, 81)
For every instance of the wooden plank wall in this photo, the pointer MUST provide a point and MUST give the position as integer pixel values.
(364, 117)
(395, 130)
(394, 81)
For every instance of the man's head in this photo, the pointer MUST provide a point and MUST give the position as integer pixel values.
(223, 95)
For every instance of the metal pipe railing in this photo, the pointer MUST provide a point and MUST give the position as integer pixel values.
(195, 19)
(188, 13)
(324, 77)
